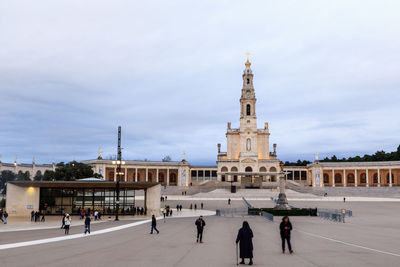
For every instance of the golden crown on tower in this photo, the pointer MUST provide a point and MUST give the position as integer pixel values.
(247, 61)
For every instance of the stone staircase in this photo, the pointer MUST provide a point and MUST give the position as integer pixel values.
(393, 192)
(204, 187)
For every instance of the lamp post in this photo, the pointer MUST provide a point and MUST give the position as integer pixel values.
(118, 162)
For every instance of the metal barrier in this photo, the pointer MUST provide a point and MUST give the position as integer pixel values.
(247, 203)
(334, 215)
(232, 212)
(268, 216)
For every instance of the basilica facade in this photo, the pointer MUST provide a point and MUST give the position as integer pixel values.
(247, 158)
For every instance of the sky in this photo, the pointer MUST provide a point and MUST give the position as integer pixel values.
(326, 75)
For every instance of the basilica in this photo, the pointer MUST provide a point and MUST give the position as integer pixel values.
(248, 159)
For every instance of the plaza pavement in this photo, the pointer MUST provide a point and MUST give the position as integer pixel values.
(370, 238)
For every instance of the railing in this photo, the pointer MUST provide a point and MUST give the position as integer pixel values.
(268, 216)
(247, 203)
(334, 215)
(232, 212)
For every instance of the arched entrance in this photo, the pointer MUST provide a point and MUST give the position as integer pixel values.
(223, 169)
(235, 178)
(273, 177)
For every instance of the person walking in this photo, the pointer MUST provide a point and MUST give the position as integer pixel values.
(195, 206)
(87, 225)
(177, 208)
(43, 218)
(165, 212)
(286, 227)
(5, 217)
(67, 224)
(229, 201)
(63, 221)
(32, 215)
(201, 205)
(180, 207)
(200, 223)
(245, 236)
(154, 224)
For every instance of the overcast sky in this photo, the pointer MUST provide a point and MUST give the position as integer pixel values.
(327, 77)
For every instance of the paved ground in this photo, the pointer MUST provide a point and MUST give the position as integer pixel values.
(370, 238)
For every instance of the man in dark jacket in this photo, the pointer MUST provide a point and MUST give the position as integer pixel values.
(245, 236)
(200, 223)
(87, 224)
(63, 221)
(154, 224)
(285, 228)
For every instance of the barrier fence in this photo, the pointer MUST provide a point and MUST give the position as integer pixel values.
(268, 216)
(232, 212)
(334, 215)
(247, 203)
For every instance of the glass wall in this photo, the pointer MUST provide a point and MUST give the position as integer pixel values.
(66, 200)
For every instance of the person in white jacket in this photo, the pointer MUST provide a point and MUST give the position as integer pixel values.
(67, 224)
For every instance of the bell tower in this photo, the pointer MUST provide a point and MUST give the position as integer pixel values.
(248, 99)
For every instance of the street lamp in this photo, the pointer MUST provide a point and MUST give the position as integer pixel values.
(118, 162)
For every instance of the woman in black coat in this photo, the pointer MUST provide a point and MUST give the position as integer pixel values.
(245, 236)
(285, 228)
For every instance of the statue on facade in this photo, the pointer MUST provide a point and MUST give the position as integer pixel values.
(100, 154)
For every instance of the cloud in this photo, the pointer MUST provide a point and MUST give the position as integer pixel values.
(326, 77)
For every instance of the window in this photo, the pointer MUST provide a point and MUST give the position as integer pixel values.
(248, 144)
(248, 110)
(248, 81)
(326, 178)
(338, 178)
(350, 178)
(363, 178)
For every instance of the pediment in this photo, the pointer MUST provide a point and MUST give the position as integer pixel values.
(248, 160)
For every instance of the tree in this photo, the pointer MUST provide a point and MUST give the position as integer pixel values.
(22, 176)
(6, 176)
(38, 176)
(167, 158)
(72, 171)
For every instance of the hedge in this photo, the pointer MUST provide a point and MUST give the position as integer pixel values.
(291, 212)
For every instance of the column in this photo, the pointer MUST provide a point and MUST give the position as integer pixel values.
(179, 182)
(167, 176)
(126, 174)
(136, 179)
(313, 177)
(333, 177)
(147, 174)
(286, 176)
(321, 177)
(115, 174)
(344, 178)
(390, 177)
(356, 178)
(366, 174)
(157, 180)
(379, 177)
